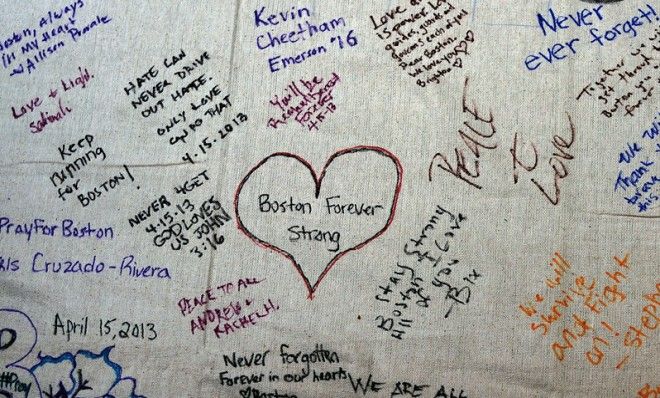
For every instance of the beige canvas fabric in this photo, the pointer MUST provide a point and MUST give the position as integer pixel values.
(441, 198)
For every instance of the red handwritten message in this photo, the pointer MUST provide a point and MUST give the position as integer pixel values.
(51, 108)
(306, 102)
(225, 317)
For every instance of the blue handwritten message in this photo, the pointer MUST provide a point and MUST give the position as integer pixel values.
(552, 22)
(637, 176)
(65, 229)
(280, 30)
(23, 50)
(77, 266)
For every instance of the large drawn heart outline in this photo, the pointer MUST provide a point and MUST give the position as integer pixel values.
(318, 180)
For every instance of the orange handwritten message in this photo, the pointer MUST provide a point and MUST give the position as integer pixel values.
(581, 306)
(649, 392)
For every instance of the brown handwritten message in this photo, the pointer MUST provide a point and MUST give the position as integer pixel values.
(622, 88)
(478, 135)
(307, 102)
(427, 39)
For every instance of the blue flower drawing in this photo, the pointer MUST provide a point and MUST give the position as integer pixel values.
(83, 375)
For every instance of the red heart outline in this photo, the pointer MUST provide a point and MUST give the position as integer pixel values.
(318, 180)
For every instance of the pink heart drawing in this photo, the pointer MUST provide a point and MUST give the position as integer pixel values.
(361, 220)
